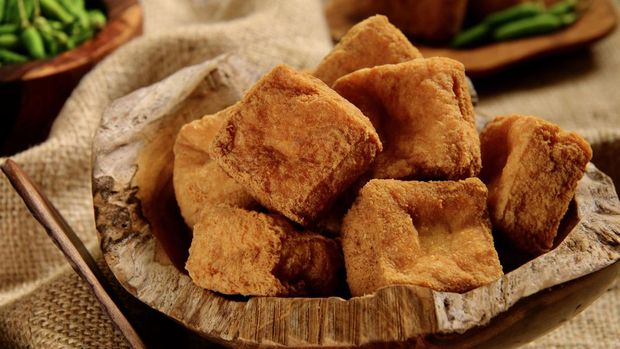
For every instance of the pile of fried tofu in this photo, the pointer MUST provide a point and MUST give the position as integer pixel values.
(369, 170)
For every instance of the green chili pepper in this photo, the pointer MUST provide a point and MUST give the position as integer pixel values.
(76, 11)
(53, 10)
(63, 39)
(51, 44)
(513, 13)
(80, 3)
(30, 37)
(47, 33)
(79, 33)
(70, 44)
(37, 9)
(10, 57)
(2, 8)
(42, 25)
(97, 19)
(41, 22)
(83, 36)
(562, 7)
(12, 10)
(471, 36)
(568, 18)
(9, 41)
(23, 17)
(540, 24)
(32, 41)
(8, 28)
(11, 14)
(28, 8)
(74, 28)
(55, 24)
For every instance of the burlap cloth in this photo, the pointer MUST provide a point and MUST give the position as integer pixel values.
(44, 304)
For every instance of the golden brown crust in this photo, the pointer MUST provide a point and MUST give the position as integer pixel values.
(295, 144)
(423, 114)
(236, 251)
(531, 168)
(431, 234)
(198, 180)
(369, 43)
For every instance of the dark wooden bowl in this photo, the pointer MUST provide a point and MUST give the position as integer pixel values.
(32, 94)
(145, 241)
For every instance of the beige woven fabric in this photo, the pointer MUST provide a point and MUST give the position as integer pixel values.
(43, 304)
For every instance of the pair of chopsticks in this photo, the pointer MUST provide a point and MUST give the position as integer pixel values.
(71, 246)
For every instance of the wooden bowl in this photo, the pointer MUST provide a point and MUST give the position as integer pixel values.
(145, 241)
(32, 94)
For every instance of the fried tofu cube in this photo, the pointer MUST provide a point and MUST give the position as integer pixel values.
(430, 234)
(423, 113)
(295, 144)
(369, 43)
(236, 251)
(198, 180)
(531, 168)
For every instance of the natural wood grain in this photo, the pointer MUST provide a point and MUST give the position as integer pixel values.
(599, 20)
(544, 289)
(71, 246)
(533, 316)
(33, 93)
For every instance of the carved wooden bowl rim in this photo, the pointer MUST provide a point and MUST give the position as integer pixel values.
(396, 314)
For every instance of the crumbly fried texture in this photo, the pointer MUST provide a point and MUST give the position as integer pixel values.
(369, 43)
(424, 116)
(431, 234)
(430, 20)
(236, 251)
(531, 168)
(198, 180)
(295, 144)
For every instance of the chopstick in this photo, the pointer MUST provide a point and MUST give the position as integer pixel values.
(71, 246)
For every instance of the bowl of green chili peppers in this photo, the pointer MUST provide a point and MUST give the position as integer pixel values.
(37, 29)
(522, 20)
(46, 46)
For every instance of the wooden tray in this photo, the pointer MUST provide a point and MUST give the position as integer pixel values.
(145, 241)
(598, 21)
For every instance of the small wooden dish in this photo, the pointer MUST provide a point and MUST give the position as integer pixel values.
(597, 22)
(32, 94)
(144, 241)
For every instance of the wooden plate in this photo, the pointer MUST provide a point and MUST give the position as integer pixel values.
(598, 21)
(144, 241)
